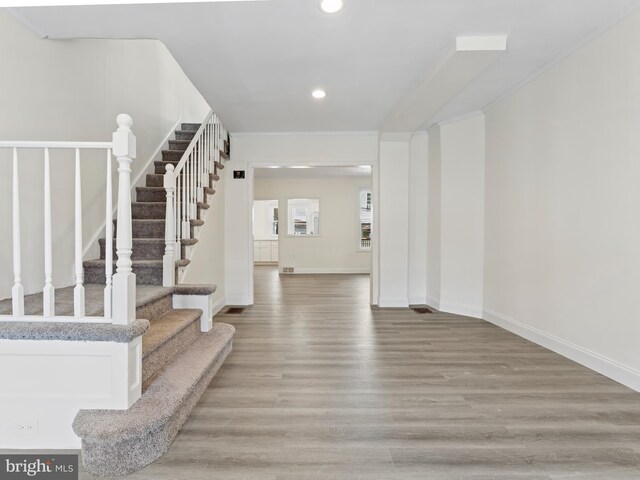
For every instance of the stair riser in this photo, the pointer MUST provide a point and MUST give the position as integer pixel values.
(145, 274)
(153, 362)
(190, 126)
(144, 229)
(185, 135)
(170, 156)
(142, 251)
(178, 144)
(156, 308)
(148, 211)
(144, 195)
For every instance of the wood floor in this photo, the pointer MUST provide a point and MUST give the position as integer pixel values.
(320, 386)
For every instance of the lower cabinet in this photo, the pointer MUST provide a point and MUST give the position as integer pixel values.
(265, 251)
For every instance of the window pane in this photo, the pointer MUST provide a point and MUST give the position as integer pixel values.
(304, 216)
(365, 219)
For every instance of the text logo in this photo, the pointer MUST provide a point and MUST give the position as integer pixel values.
(37, 467)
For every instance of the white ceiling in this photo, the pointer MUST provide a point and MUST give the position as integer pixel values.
(256, 63)
(312, 172)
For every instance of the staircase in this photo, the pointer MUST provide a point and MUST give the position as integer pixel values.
(148, 218)
(178, 360)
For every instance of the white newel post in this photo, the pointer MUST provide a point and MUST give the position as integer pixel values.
(169, 259)
(124, 281)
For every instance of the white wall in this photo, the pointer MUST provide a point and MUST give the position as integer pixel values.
(563, 206)
(418, 192)
(455, 245)
(393, 232)
(249, 151)
(73, 90)
(335, 250)
(462, 216)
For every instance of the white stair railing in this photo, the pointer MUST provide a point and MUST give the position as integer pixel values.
(185, 186)
(119, 292)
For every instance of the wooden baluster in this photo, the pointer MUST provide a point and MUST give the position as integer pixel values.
(78, 291)
(48, 293)
(124, 281)
(17, 292)
(108, 242)
(169, 260)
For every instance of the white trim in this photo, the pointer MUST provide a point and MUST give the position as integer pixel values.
(388, 302)
(239, 301)
(433, 302)
(329, 271)
(418, 300)
(459, 118)
(277, 134)
(616, 19)
(461, 309)
(395, 136)
(140, 177)
(37, 29)
(605, 366)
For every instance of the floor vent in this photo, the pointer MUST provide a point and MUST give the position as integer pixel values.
(234, 310)
(287, 270)
(421, 310)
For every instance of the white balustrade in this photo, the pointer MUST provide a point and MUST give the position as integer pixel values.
(48, 293)
(119, 292)
(186, 187)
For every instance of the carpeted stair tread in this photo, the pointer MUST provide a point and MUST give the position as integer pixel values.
(209, 191)
(166, 326)
(192, 127)
(214, 177)
(219, 165)
(117, 442)
(203, 205)
(185, 134)
(148, 210)
(172, 155)
(146, 248)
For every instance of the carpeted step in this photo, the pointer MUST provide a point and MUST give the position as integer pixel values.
(156, 179)
(148, 272)
(153, 228)
(172, 155)
(148, 210)
(218, 166)
(179, 144)
(151, 194)
(147, 248)
(168, 335)
(193, 127)
(185, 134)
(117, 442)
(213, 177)
(209, 191)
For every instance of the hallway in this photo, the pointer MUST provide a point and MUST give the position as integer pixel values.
(320, 386)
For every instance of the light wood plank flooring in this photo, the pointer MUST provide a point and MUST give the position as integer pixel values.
(320, 386)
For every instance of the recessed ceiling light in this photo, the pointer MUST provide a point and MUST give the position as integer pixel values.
(318, 94)
(331, 6)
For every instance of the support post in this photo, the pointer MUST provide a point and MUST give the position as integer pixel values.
(169, 258)
(124, 281)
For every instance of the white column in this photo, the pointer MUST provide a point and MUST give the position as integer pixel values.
(124, 281)
(48, 293)
(169, 258)
(17, 292)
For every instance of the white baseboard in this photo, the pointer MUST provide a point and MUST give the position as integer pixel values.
(433, 302)
(460, 309)
(329, 271)
(417, 300)
(605, 366)
(238, 301)
(387, 302)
